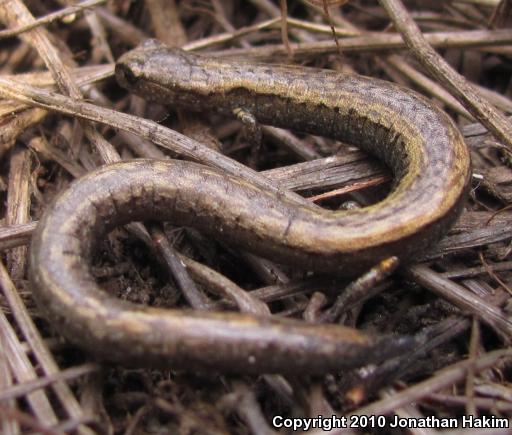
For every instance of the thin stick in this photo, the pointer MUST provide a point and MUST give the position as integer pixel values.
(54, 16)
(458, 86)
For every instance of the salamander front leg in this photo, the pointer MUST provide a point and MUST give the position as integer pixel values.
(252, 132)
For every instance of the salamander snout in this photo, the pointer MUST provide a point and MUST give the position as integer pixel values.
(128, 73)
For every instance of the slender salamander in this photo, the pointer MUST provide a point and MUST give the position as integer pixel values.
(417, 141)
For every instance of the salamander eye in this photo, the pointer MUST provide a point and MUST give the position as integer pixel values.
(129, 74)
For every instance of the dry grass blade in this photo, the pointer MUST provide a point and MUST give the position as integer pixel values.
(8, 33)
(327, 2)
(442, 71)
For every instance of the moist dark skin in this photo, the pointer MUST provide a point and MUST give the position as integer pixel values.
(417, 140)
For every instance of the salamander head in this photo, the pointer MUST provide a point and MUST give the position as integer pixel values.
(161, 73)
